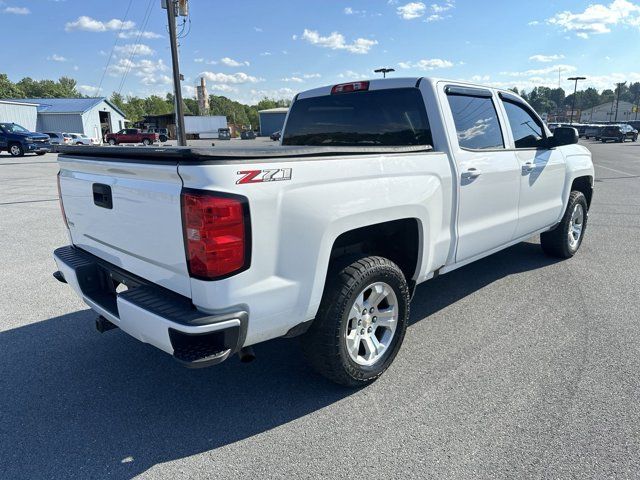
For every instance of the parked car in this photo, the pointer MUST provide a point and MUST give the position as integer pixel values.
(634, 124)
(82, 139)
(224, 134)
(619, 133)
(275, 136)
(328, 243)
(131, 135)
(581, 128)
(59, 138)
(248, 135)
(593, 131)
(17, 140)
(163, 133)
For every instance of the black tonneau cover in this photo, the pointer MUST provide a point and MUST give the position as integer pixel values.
(186, 155)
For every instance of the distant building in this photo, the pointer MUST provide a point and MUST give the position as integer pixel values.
(607, 113)
(24, 114)
(272, 120)
(92, 116)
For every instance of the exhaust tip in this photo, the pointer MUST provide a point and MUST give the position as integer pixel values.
(59, 276)
(247, 355)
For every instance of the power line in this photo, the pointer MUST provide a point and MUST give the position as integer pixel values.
(129, 65)
(104, 72)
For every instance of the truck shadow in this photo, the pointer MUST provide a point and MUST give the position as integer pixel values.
(74, 402)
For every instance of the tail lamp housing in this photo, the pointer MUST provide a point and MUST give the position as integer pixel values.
(217, 233)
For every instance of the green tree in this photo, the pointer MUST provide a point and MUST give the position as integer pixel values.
(8, 89)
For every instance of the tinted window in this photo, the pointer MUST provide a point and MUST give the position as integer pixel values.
(476, 122)
(526, 129)
(392, 117)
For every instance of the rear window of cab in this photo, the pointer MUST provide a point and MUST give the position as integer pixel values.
(388, 117)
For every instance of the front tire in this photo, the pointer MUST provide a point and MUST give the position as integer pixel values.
(361, 322)
(565, 240)
(146, 142)
(112, 141)
(16, 150)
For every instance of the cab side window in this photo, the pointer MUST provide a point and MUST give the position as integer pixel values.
(527, 130)
(476, 121)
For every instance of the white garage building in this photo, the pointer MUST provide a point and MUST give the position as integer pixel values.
(91, 116)
(22, 113)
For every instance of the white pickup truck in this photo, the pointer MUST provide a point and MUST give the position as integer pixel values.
(376, 187)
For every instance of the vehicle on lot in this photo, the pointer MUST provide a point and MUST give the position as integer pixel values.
(59, 138)
(82, 139)
(634, 124)
(618, 133)
(247, 135)
(581, 128)
(163, 133)
(17, 140)
(224, 134)
(131, 135)
(275, 136)
(593, 131)
(377, 187)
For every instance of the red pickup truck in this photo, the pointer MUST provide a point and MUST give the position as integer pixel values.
(131, 135)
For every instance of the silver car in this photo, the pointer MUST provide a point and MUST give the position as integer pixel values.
(59, 138)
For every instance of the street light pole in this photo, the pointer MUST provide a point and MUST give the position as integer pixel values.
(575, 92)
(171, 19)
(384, 71)
(619, 85)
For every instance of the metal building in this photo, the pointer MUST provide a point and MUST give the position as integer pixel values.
(272, 120)
(22, 113)
(607, 113)
(92, 116)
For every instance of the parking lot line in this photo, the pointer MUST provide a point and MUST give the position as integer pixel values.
(617, 171)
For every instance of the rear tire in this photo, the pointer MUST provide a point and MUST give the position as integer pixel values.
(347, 342)
(565, 240)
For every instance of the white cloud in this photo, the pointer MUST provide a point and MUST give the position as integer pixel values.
(597, 18)
(351, 11)
(546, 58)
(442, 7)
(17, 10)
(351, 75)
(336, 41)
(88, 90)
(311, 75)
(149, 71)
(541, 71)
(198, 60)
(427, 64)
(265, 54)
(434, 18)
(258, 29)
(156, 79)
(92, 25)
(533, 23)
(135, 49)
(137, 33)
(411, 10)
(57, 58)
(293, 79)
(481, 78)
(225, 78)
(230, 62)
(222, 88)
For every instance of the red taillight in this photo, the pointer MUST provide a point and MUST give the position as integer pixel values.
(64, 215)
(350, 87)
(216, 234)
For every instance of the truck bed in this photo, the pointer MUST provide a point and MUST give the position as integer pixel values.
(189, 155)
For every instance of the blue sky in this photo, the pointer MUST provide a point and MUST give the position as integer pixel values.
(251, 49)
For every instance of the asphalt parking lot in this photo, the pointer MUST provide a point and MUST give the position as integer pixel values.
(517, 366)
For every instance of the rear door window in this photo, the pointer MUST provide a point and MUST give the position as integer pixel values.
(389, 117)
(476, 120)
(526, 129)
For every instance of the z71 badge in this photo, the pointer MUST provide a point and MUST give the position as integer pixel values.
(268, 175)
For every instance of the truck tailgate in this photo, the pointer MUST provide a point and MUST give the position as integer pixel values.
(128, 214)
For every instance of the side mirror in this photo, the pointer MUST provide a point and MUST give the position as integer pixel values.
(564, 136)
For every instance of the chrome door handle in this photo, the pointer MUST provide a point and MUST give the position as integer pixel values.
(471, 173)
(528, 167)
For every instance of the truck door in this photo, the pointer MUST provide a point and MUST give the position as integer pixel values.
(543, 170)
(489, 175)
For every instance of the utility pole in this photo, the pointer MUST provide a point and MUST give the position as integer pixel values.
(171, 19)
(619, 85)
(575, 92)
